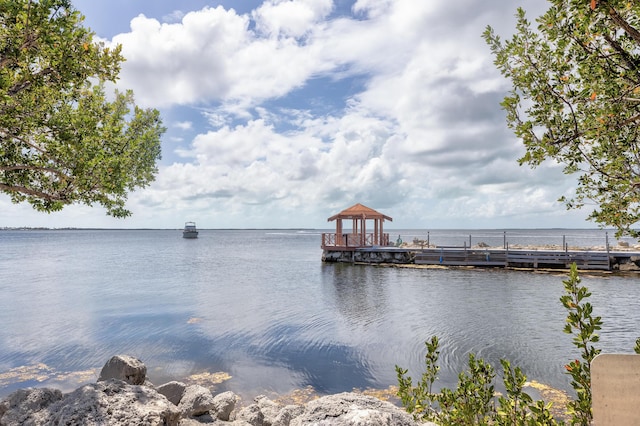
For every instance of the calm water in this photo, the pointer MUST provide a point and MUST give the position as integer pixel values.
(261, 306)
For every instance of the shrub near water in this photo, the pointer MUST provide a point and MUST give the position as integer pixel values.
(473, 401)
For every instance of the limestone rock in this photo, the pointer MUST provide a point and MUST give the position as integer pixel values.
(111, 402)
(351, 409)
(269, 409)
(200, 420)
(196, 401)
(628, 267)
(173, 391)
(224, 404)
(251, 415)
(114, 401)
(286, 414)
(21, 406)
(126, 368)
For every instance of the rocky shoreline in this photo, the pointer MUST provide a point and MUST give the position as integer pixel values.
(123, 396)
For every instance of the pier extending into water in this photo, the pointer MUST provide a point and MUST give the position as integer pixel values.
(489, 257)
(366, 242)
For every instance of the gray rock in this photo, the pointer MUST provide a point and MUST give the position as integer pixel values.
(196, 401)
(286, 414)
(269, 409)
(224, 404)
(111, 402)
(20, 407)
(173, 391)
(251, 415)
(126, 368)
(199, 420)
(628, 266)
(114, 401)
(351, 409)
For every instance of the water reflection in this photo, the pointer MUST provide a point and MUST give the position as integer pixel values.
(263, 311)
(359, 292)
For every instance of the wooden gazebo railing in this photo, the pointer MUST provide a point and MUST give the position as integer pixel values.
(358, 235)
(353, 240)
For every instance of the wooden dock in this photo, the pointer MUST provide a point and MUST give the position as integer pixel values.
(597, 260)
(490, 257)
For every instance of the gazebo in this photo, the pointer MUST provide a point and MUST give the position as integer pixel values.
(357, 236)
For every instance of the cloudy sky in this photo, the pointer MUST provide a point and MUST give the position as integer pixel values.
(281, 113)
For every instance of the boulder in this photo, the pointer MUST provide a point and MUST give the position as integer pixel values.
(115, 401)
(286, 414)
(196, 401)
(224, 404)
(630, 265)
(126, 368)
(21, 406)
(110, 402)
(252, 415)
(269, 409)
(173, 391)
(352, 409)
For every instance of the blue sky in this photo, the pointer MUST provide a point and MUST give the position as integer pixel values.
(281, 113)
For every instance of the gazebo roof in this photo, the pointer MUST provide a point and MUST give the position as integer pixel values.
(358, 211)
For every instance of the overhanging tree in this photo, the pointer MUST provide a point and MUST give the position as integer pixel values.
(61, 140)
(576, 100)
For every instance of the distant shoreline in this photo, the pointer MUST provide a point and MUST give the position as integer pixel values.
(36, 228)
(390, 231)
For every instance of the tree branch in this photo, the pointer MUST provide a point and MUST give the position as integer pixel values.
(32, 192)
(622, 23)
(34, 168)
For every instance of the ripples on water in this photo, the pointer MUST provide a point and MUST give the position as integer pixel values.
(262, 307)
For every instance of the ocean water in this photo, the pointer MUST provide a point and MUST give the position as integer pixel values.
(260, 311)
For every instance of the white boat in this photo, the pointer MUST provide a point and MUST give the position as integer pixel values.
(190, 230)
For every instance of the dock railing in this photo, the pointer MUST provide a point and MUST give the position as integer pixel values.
(333, 241)
(517, 239)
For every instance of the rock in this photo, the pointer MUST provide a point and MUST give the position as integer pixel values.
(20, 407)
(628, 267)
(353, 410)
(110, 402)
(173, 391)
(224, 404)
(269, 409)
(286, 414)
(126, 368)
(196, 401)
(251, 415)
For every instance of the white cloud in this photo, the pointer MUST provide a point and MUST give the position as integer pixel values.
(181, 63)
(290, 18)
(416, 129)
(183, 125)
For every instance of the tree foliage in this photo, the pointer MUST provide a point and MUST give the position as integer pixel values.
(575, 99)
(62, 140)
